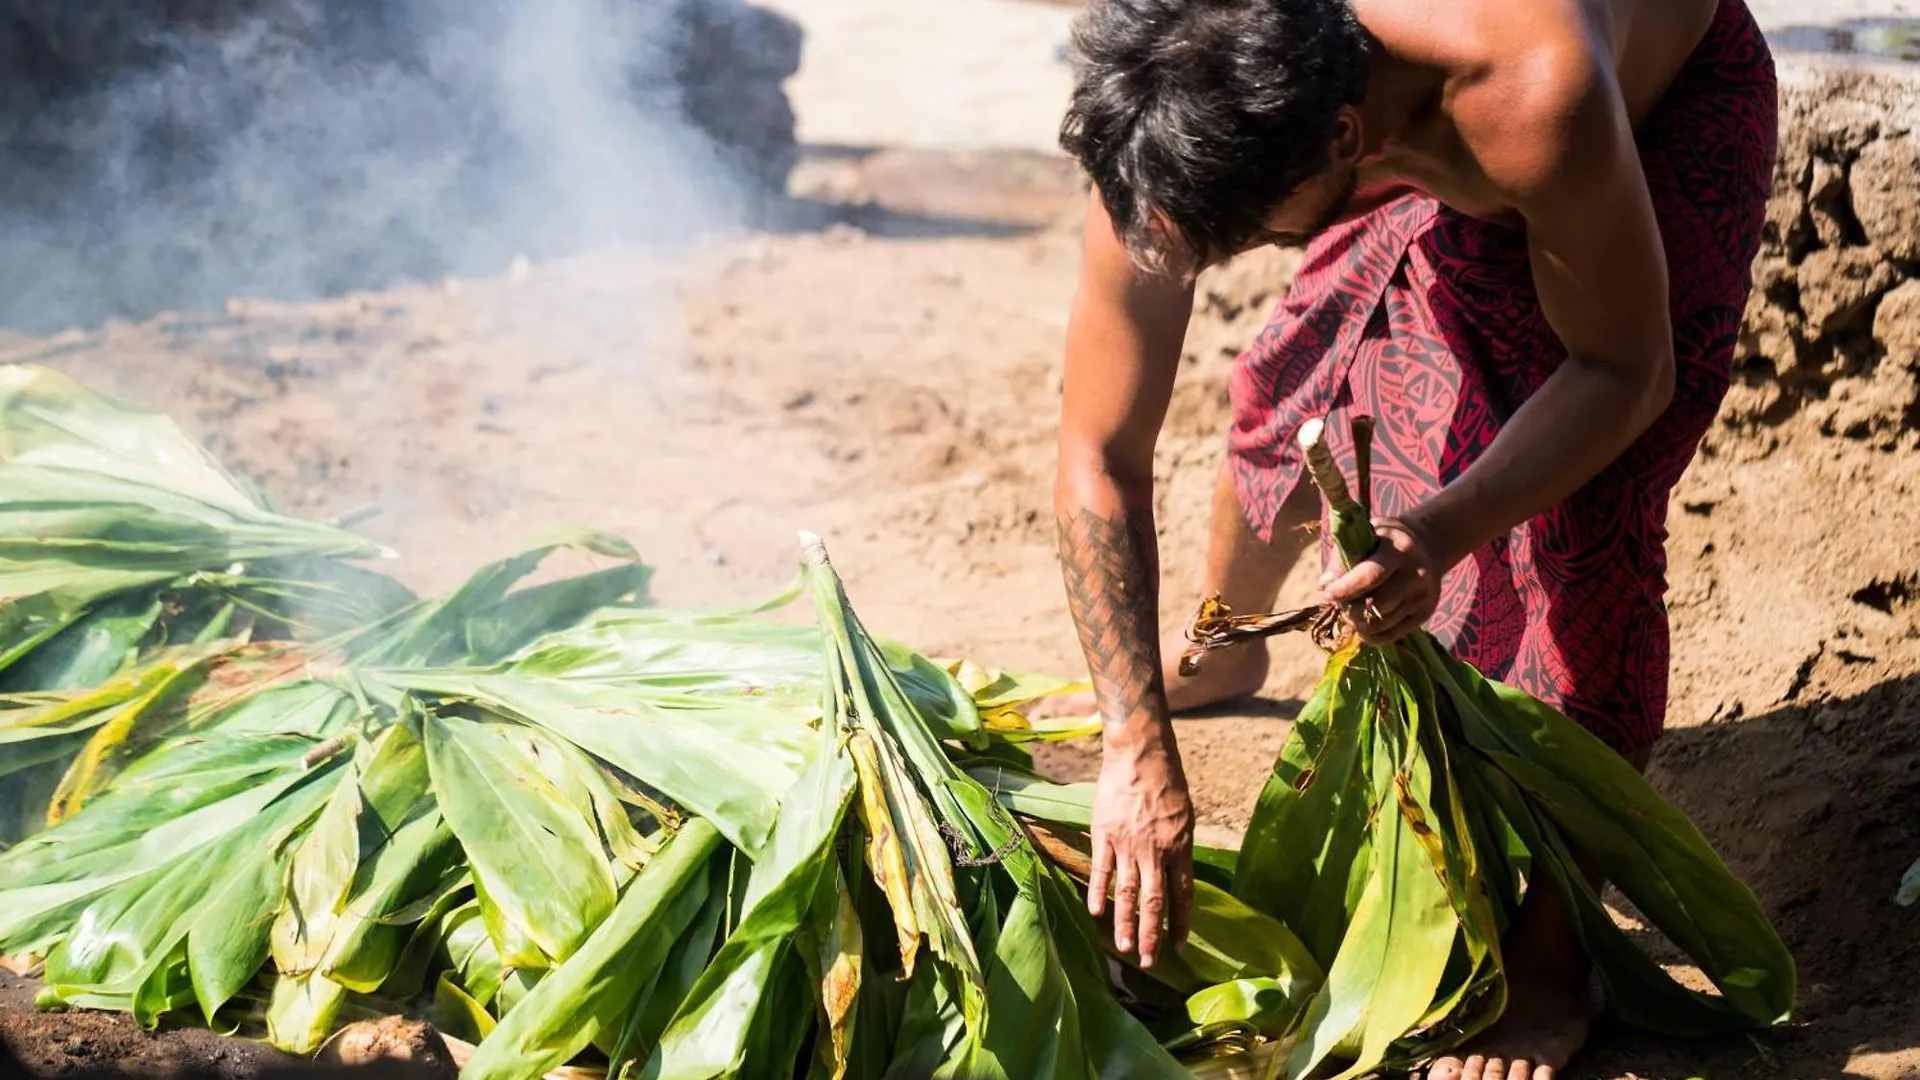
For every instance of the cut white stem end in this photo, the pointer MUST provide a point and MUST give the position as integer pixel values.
(813, 549)
(1321, 466)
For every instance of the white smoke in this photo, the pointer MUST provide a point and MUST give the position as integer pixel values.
(350, 144)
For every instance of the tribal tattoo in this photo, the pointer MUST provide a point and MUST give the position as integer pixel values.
(1112, 573)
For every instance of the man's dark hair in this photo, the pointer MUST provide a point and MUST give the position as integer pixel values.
(1208, 113)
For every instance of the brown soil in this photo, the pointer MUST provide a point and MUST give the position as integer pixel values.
(895, 390)
(80, 1043)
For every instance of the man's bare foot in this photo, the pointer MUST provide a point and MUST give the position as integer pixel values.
(1546, 1023)
(1548, 1015)
(1225, 674)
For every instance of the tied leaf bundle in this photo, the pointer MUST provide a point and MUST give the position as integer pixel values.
(1417, 805)
(674, 844)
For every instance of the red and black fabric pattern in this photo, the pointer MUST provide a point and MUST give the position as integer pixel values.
(1427, 320)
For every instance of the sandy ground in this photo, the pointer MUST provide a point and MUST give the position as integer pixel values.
(893, 386)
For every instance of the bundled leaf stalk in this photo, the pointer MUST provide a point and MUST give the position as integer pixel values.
(1417, 805)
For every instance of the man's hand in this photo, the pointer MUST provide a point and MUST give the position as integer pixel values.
(1143, 848)
(1394, 591)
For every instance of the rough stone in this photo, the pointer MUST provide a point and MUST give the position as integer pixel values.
(1787, 207)
(1884, 195)
(1839, 285)
(1827, 201)
(1896, 326)
(1769, 333)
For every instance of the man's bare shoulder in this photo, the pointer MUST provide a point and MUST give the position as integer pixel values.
(1521, 81)
(1483, 43)
(1535, 116)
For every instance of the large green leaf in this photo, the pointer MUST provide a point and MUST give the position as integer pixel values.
(730, 781)
(229, 939)
(303, 1011)
(320, 875)
(90, 649)
(909, 790)
(1642, 844)
(131, 831)
(589, 993)
(143, 941)
(1305, 858)
(652, 1010)
(1116, 1044)
(537, 861)
(109, 518)
(407, 864)
(469, 627)
(48, 420)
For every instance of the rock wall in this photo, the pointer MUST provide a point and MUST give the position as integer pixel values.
(1832, 332)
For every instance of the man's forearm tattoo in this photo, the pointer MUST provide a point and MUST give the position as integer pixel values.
(1113, 587)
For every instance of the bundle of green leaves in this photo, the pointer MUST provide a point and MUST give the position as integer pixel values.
(658, 838)
(1414, 808)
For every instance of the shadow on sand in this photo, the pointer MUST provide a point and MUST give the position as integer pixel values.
(1816, 806)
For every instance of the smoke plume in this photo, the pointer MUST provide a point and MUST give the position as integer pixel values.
(296, 148)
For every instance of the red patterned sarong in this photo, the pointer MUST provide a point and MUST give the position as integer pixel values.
(1427, 320)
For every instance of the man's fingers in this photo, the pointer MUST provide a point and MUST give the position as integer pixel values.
(1153, 909)
(1381, 622)
(1395, 600)
(1179, 896)
(1359, 582)
(1126, 903)
(1101, 876)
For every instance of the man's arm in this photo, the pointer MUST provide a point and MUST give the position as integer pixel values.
(1569, 164)
(1601, 274)
(1123, 349)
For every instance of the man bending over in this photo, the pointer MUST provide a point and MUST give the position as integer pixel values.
(1528, 233)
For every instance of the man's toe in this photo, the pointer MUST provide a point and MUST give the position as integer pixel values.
(1476, 1069)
